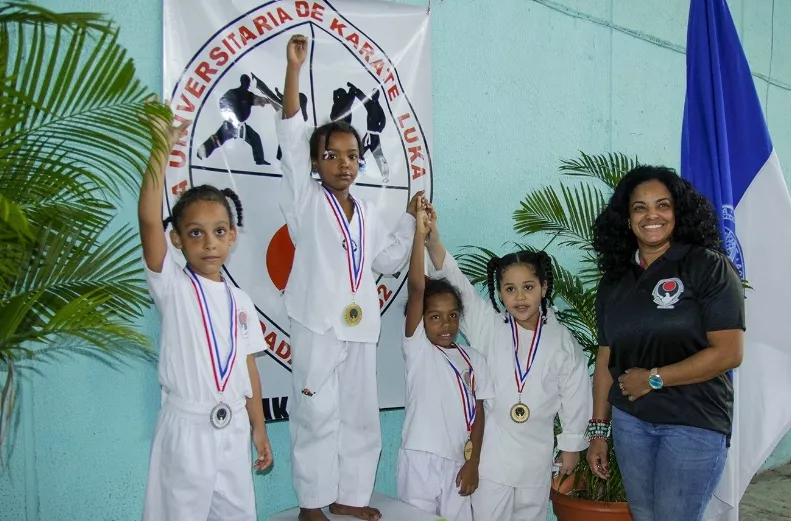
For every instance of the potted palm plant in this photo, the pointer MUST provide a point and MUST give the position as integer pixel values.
(71, 146)
(561, 218)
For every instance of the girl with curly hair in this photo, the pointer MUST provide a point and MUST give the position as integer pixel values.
(670, 313)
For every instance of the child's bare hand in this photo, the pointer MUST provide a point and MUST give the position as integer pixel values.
(415, 203)
(568, 462)
(297, 50)
(422, 223)
(263, 449)
(467, 478)
(159, 119)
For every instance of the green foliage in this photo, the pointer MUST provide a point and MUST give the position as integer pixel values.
(566, 214)
(71, 146)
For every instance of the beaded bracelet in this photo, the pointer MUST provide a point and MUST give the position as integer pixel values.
(598, 430)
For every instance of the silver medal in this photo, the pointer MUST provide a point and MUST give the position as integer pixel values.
(220, 416)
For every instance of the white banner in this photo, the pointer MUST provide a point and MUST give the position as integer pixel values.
(368, 62)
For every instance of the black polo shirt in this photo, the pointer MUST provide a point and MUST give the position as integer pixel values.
(660, 316)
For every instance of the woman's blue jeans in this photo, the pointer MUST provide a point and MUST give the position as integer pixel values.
(669, 471)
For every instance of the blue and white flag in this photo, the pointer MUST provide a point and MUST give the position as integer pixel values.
(726, 152)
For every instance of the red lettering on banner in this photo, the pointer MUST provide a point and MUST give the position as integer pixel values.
(181, 119)
(180, 158)
(228, 46)
(284, 16)
(338, 27)
(270, 340)
(379, 66)
(384, 295)
(179, 188)
(303, 9)
(246, 35)
(187, 106)
(219, 56)
(367, 51)
(283, 349)
(409, 135)
(415, 153)
(317, 12)
(195, 88)
(205, 72)
(261, 25)
(392, 92)
(232, 37)
(354, 39)
(417, 172)
(403, 118)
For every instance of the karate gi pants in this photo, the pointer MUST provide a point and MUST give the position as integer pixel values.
(335, 436)
(493, 501)
(428, 482)
(198, 472)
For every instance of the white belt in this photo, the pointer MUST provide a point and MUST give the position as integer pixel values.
(197, 409)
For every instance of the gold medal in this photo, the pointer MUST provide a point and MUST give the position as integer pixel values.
(468, 450)
(520, 413)
(352, 314)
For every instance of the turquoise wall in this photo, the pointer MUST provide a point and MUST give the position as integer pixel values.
(518, 85)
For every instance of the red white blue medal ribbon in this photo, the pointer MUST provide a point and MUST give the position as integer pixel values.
(468, 400)
(354, 261)
(221, 368)
(519, 375)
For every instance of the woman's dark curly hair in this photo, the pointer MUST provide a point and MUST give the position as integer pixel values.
(615, 243)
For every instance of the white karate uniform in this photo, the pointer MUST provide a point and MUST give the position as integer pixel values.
(516, 459)
(335, 433)
(435, 428)
(197, 472)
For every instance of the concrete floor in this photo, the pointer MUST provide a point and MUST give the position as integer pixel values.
(768, 498)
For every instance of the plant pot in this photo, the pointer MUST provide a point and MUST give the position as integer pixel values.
(569, 508)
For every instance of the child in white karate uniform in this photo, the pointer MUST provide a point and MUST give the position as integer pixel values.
(538, 370)
(446, 384)
(333, 305)
(201, 460)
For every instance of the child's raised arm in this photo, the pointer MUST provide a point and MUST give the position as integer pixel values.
(416, 280)
(295, 55)
(295, 163)
(149, 206)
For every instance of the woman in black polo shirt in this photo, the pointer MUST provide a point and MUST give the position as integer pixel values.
(670, 312)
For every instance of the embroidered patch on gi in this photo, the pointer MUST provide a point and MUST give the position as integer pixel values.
(667, 293)
(242, 319)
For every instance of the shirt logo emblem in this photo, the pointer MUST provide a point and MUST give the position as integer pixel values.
(667, 293)
(242, 320)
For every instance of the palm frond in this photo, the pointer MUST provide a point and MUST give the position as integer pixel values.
(473, 265)
(19, 12)
(608, 168)
(567, 212)
(75, 94)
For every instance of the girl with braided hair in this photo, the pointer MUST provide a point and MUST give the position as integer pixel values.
(538, 370)
(201, 457)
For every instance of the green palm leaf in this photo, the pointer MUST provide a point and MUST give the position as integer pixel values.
(567, 212)
(608, 168)
(75, 94)
(71, 143)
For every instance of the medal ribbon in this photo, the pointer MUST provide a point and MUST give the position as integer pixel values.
(222, 372)
(520, 376)
(357, 262)
(468, 400)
